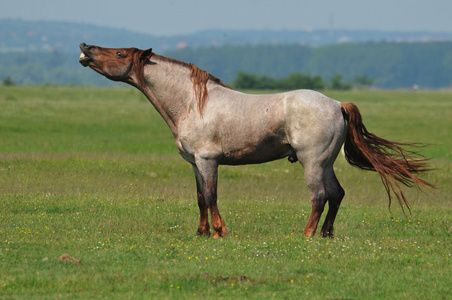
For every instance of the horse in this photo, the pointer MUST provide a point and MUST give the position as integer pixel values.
(214, 125)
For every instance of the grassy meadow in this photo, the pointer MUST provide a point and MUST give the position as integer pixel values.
(94, 173)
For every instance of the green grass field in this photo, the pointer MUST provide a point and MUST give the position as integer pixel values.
(94, 173)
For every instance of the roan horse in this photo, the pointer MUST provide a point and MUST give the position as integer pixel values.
(215, 125)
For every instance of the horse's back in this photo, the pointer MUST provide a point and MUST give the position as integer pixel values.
(313, 100)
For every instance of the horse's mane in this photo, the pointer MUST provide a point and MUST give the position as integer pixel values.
(198, 77)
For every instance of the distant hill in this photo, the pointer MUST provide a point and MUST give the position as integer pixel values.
(21, 36)
(47, 53)
(389, 64)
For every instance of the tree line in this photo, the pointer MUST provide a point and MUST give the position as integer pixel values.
(386, 65)
(295, 81)
(389, 64)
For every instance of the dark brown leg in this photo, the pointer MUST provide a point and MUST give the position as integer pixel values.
(203, 228)
(219, 228)
(335, 196)
(318, 204)
(208, 174)
(314, 175)
(327, 228)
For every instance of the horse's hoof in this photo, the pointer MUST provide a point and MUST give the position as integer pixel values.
(308, 234)
(328, 234)
(220, 233)
(203, 232)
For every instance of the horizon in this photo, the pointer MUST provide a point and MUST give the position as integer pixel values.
(177, 17)
(430, 35)
(307, 30)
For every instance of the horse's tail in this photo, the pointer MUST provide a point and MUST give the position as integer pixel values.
(389, 159)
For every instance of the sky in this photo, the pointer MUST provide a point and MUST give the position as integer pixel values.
(174, 17)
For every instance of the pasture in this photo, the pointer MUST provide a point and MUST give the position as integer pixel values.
(94, 173)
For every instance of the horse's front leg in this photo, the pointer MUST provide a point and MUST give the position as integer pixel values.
(207, 172)
(203, 228)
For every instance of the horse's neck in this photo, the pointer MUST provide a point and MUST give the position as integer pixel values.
(170, 90)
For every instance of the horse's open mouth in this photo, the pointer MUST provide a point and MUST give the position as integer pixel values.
(84, 59)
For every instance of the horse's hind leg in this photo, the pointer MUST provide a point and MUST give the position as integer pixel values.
(315, 178)
(335, 195)
(324, 187)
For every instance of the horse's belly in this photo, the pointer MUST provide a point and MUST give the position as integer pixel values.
(255, 155)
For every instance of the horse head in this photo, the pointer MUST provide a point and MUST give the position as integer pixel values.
(118, 64)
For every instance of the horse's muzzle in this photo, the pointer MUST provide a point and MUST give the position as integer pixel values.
(85, 58)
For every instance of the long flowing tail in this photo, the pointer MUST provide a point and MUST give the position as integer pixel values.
(389, 159)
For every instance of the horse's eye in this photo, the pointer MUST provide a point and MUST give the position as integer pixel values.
(118, 54)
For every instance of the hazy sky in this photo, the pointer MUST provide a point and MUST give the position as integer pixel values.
(171, 17)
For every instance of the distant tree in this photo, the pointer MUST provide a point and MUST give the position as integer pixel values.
(266, 83)
(338, 84)
(244, 81)
(363, 81)
(301, 81)
(8, 82)
(251, 81)
(292, 82)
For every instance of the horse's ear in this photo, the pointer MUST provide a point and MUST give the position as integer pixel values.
(146, 53)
